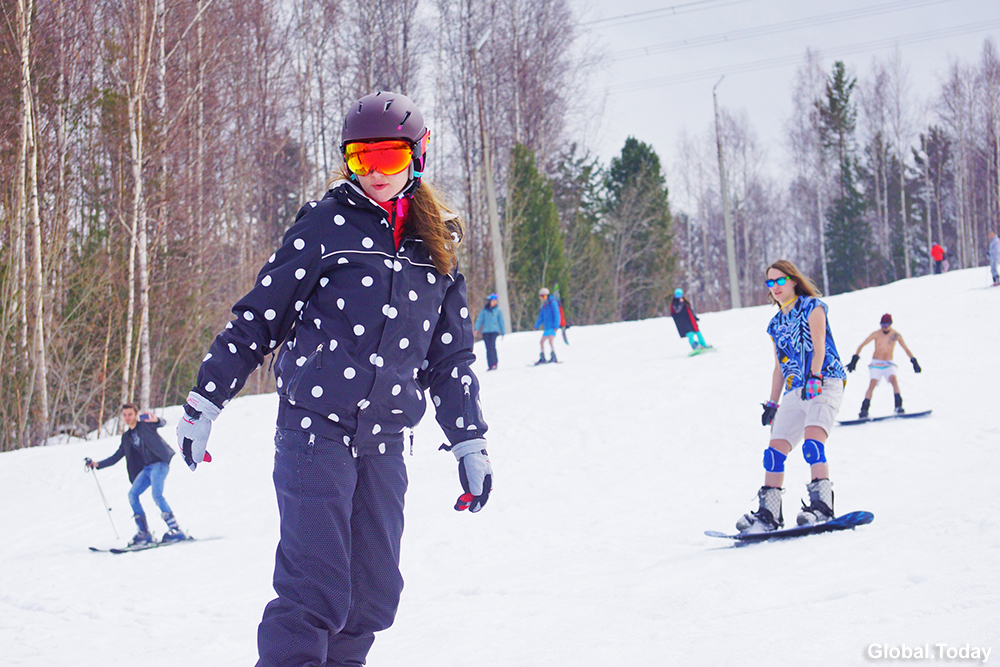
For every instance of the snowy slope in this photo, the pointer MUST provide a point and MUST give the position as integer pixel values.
(608, 468)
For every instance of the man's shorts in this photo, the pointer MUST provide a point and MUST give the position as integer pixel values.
(880, 369)
(548, 332)
(795, 414)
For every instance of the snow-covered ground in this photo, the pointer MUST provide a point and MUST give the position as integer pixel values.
(591, 552)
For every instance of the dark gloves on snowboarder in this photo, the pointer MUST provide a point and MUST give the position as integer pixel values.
(916, 366)
(813, 387)
(854, 363)
(195, 427)
(474, 472)
(770, 409)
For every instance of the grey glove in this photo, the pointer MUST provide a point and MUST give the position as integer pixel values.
(474, 472)
(195, 427)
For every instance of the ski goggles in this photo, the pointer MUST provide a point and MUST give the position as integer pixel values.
(387, 157)
(780, 281)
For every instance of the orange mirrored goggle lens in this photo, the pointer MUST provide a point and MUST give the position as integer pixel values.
(387, 157)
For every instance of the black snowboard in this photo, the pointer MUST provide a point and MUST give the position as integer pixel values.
(905, 415)
(851, 520)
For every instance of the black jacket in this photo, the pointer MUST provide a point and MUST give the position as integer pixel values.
(684, 317)
(141, 446)
(366, 330)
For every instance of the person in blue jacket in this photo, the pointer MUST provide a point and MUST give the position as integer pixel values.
(147, 459)
(490, 323)
(366, 311)
(549, 319)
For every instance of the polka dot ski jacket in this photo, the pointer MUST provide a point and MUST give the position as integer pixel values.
(364, 329)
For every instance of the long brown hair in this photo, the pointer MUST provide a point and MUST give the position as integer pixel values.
(432, 220)
(803, 285)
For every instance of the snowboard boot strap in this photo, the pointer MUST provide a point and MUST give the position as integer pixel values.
(820, 502)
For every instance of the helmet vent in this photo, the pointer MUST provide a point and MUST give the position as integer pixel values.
(403, 122)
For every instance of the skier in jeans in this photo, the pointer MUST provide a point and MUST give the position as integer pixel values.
(807, 369)
(147, 458)
(882, 366)
(490, 323)
(364, 306)
(548, 321)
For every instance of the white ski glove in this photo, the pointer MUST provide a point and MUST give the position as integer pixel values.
(474, 472)
(195, 427)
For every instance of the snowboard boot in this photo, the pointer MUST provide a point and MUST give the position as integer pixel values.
(174, 534)
(768, 516)
(143, 536)
(864, 409)
(541, 358)
(552, 357)
(899, 404)
(820, 507)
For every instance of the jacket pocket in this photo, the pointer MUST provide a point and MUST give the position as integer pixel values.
(314, 360)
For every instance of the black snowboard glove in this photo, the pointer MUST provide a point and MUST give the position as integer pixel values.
(474, 473)
(770, 409)
(916, 366)
(854, 363)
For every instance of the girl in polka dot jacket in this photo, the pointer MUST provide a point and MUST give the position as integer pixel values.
(366, 310)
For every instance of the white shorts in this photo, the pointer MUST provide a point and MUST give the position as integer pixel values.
(795, 414)
(881, 370)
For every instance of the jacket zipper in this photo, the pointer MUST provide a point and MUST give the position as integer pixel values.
(317, 357)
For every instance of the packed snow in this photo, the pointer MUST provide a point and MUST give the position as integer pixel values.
(608, 469)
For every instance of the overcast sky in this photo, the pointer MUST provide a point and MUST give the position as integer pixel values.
(663, 58)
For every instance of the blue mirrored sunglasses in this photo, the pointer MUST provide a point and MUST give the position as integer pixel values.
(780, 281)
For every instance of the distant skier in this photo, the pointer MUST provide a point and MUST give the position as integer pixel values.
(993, 254)
(686, 321)
(882, 366)
(808, 369)
(937, 254)
(147, 458)
(490, 323)
(549, 319)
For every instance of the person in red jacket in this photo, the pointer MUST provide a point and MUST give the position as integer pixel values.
(937, 254)
(686, 321)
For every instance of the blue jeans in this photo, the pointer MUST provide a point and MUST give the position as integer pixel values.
(155, 474)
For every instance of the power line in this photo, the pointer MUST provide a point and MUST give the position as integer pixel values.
(780, 61)
(672, 10)
(773, 28)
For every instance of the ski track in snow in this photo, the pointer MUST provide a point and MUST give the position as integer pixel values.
(608, 468)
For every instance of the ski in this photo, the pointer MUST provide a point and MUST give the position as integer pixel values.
(141, 547)
(905, 415)
(844, 522)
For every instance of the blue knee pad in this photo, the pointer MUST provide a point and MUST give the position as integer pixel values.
(813, 451)
(774, 461)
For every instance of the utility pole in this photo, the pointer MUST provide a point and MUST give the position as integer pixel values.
(499, 265)
(727, 215)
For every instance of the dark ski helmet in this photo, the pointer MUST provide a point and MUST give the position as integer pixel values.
(384, 116)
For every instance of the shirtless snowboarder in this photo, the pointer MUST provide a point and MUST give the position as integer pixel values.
(882, 366)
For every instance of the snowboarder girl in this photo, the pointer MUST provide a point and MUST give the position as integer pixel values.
(686, 321)
(366, 310)
(808, 371)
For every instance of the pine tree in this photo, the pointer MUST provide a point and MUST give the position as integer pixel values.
(848, 234)
(636, 231)
(537, 258)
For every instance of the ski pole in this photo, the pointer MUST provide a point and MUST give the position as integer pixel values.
(103, 499)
